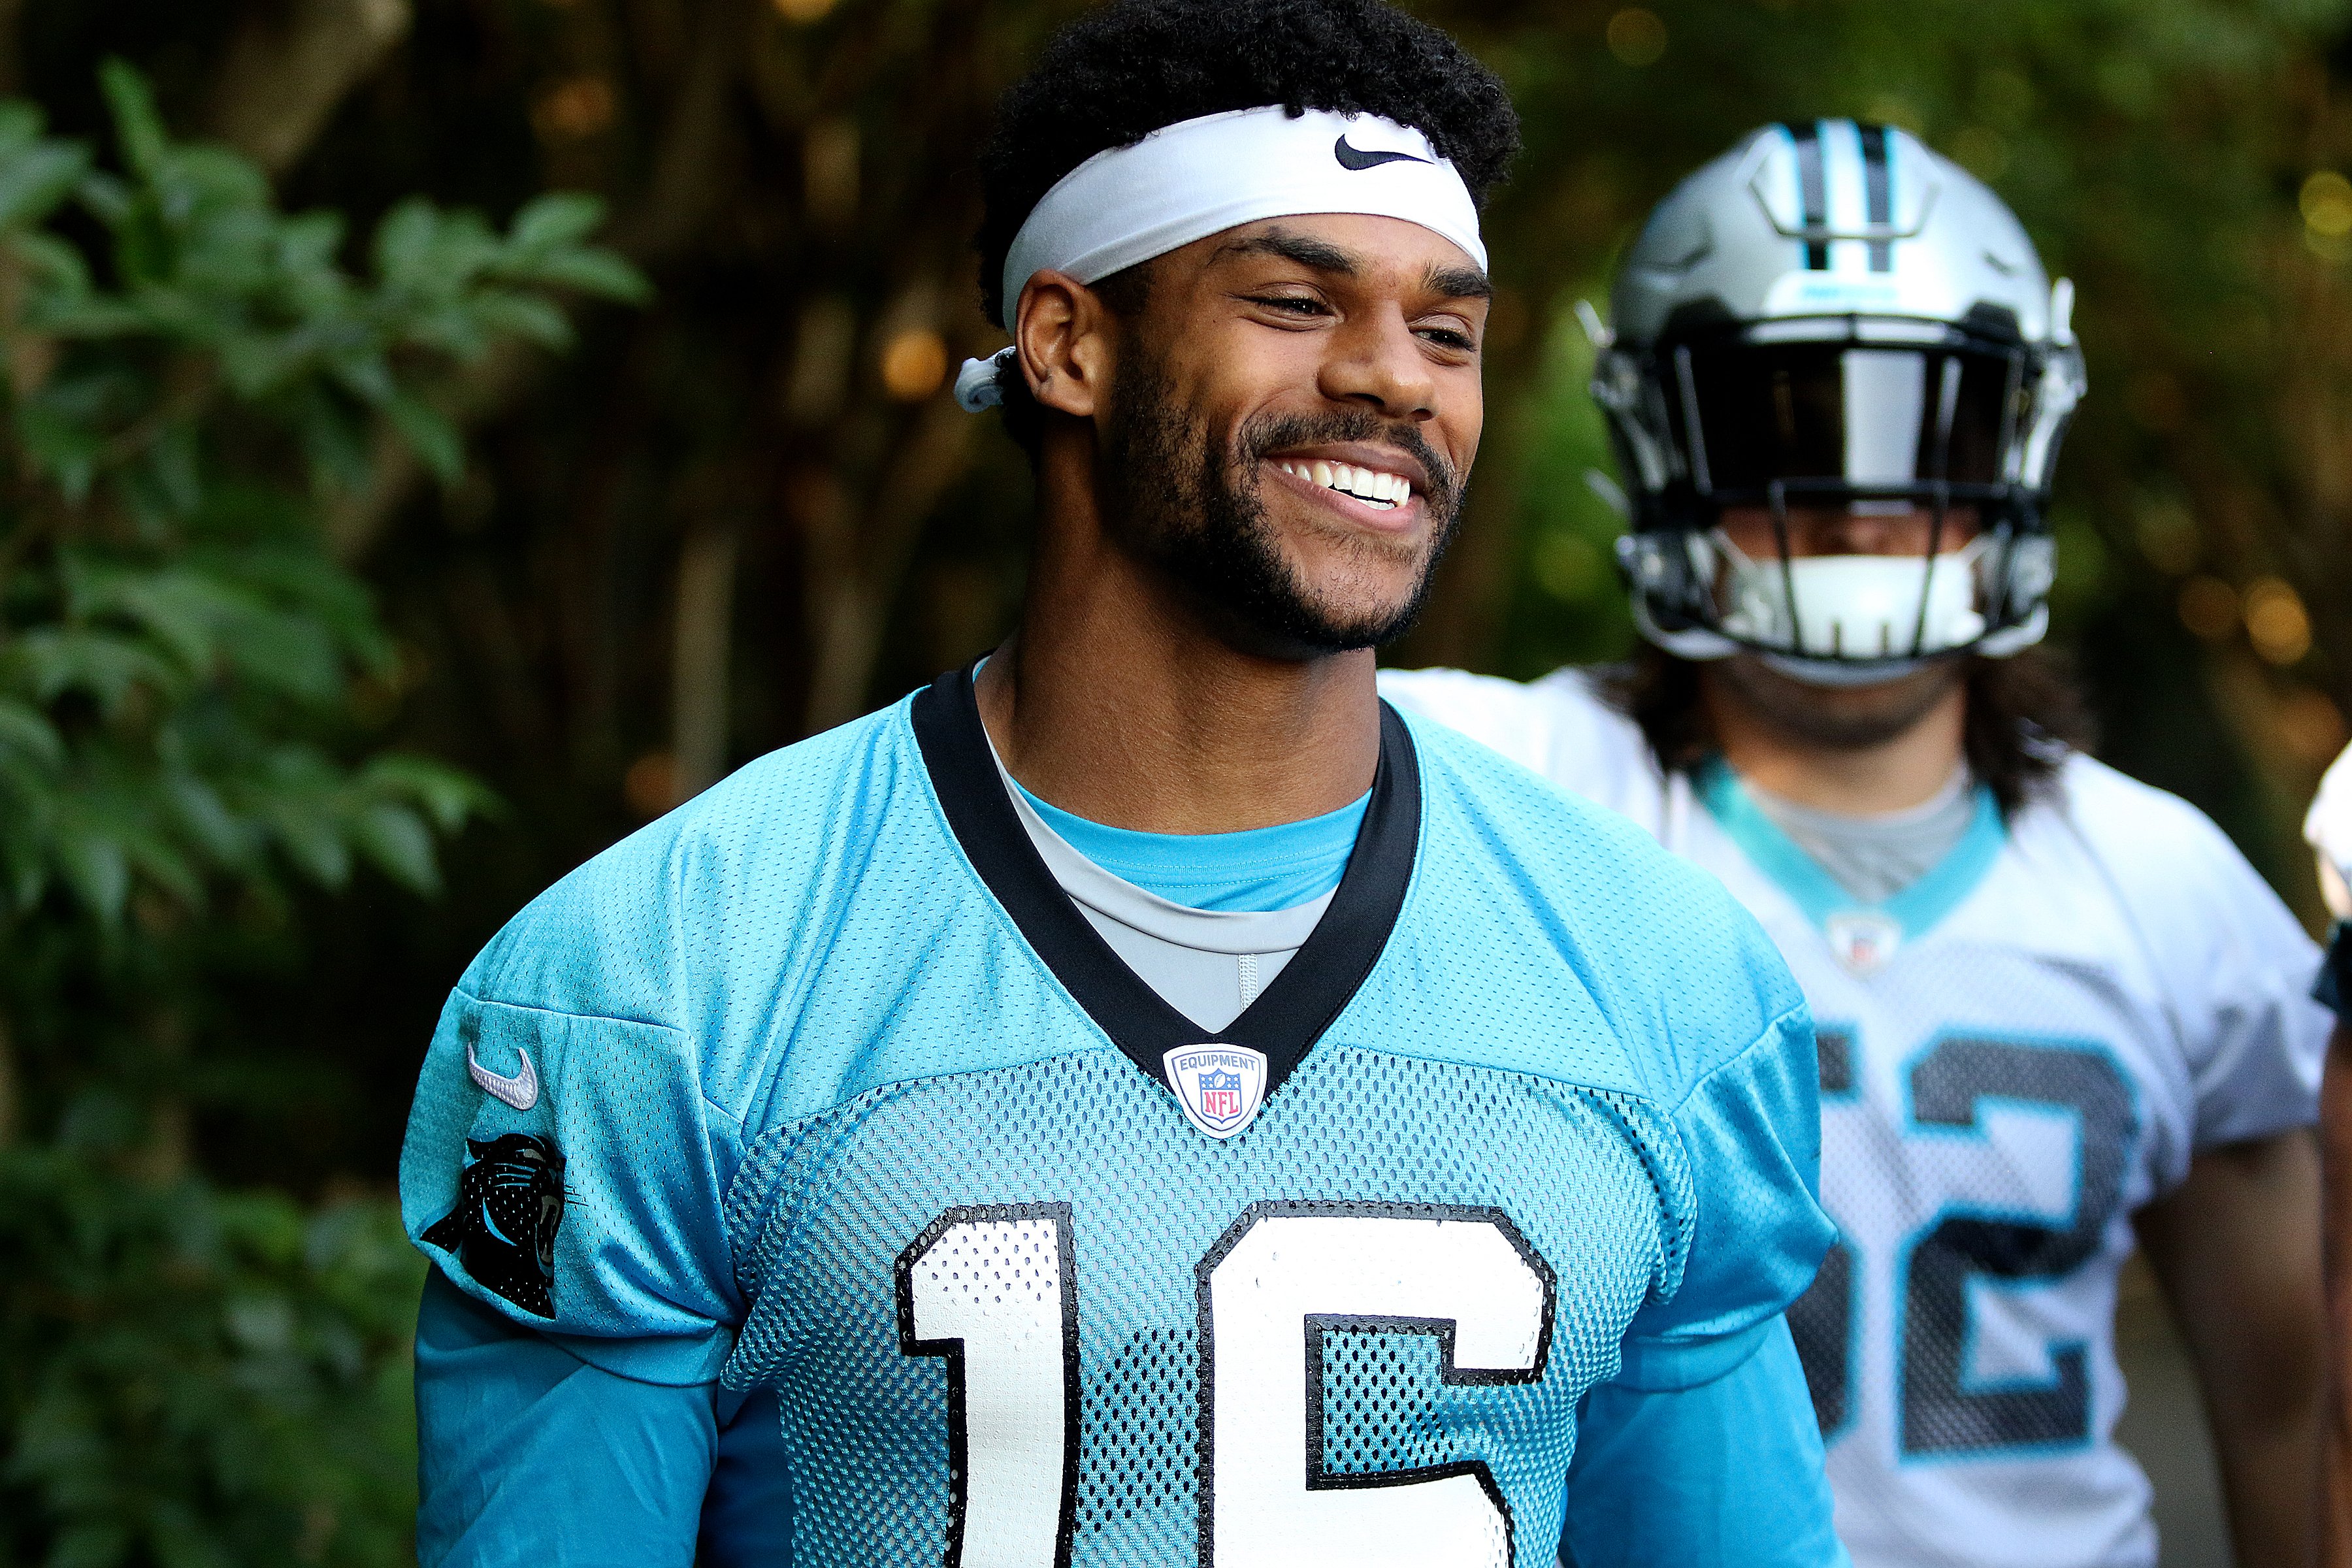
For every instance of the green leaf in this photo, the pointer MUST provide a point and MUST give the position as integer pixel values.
(208, 819)
(399, 845)
(430, 435)
(449, 797)
(403, 240)
(34, 180)
(557, 218)
(136, 123)
(529, 317)
(602, 273)
(25, 730)
(106, 666)
(95, 868)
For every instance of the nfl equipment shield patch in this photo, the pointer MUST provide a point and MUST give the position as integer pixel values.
(1220, 1086)
(1863, 940)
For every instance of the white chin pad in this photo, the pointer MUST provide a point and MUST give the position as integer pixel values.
(1870, 609)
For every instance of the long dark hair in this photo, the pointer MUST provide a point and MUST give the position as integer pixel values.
(2025, 713)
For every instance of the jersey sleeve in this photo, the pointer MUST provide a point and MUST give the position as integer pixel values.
(1750, 1130)
(528, 1454)
(1726, 1471)
(2235, 965)
(566, 1171)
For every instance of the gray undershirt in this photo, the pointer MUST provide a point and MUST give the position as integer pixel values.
(1874, 857)
(1208, 964)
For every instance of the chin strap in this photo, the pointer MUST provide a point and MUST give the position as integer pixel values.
(1784, 610)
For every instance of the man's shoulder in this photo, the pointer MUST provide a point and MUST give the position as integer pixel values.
(1661, 947)
(2181, 892)
(1564, 726)
(1567, 711)
(736, 869)
(2147, 840)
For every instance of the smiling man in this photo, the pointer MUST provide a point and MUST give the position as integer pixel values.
(1143, 1101)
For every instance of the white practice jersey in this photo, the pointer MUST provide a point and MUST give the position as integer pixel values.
(2017, 1052)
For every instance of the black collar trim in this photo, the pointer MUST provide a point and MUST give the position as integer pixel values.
(1288, 1016)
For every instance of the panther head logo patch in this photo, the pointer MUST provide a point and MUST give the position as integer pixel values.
(510, 1203)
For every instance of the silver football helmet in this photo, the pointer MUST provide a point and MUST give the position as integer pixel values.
(1831, 318)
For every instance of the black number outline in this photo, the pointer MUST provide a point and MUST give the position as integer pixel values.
(1918, 1394)
(1831, 1307)
(1065, 1528)
(1317, 1324)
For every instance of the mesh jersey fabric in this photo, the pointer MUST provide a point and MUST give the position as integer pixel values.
(2105, 989)
(788, 1041)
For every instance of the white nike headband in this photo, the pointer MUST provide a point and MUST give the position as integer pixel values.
(1195, 178)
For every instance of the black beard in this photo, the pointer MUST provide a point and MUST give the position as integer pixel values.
(1850, 718)
(1172, 498)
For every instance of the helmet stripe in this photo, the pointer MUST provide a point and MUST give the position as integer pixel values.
(1813, 190)
(1878, 192)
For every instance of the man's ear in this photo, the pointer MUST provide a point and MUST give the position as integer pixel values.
(1064, 333)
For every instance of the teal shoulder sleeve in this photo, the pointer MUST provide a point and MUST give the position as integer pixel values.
(1751, 1132)
(568, 1173)
(1726, 1471)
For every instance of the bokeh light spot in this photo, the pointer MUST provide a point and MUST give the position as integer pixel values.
(2209, 608)
(2311, 725)
(573, 110)
(2326, 203)
(914, 363)
(650, 786)
(2276, 622)
(1637, 37)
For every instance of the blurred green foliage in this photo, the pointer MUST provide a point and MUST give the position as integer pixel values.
(190, 1375)
(200, 1378)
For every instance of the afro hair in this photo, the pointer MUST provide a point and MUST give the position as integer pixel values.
(1116, 75)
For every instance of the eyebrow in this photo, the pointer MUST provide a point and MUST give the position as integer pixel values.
(1322, 256)
(1459, 283)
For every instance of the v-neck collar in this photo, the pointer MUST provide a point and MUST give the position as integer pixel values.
(1290, 1015)
(1821, 896)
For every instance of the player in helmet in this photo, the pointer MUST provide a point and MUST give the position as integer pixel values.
(1142, 1100)
(2059, 1015)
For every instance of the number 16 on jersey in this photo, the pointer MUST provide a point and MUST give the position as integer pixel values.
(994, 1290)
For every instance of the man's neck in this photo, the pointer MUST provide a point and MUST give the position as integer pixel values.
(1117, 702)
(1904, 770)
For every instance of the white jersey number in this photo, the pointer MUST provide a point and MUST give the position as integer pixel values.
(990, 1289)
(994, 1291)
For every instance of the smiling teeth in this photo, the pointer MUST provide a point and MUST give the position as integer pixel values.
(1371, 486)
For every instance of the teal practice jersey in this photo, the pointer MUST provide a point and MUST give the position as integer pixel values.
(819, 1093)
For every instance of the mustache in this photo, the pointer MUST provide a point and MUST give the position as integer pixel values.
(1268, 432)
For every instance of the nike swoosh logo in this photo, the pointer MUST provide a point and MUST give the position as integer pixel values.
(521, 1092)
(1355, 158)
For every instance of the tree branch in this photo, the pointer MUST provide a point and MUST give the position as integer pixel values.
(284, 75)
